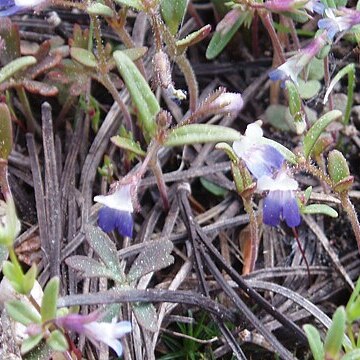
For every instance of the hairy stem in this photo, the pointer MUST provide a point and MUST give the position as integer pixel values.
(350, 210)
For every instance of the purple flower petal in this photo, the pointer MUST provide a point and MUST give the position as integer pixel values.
(11, 11)
(330, 25)
(272, 208)
(111, 219)
(290, 213)
(263, 160)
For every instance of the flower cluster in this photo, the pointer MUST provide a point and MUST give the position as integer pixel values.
(11, 7)
(267, 165)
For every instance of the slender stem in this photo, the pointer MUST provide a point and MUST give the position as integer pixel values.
(293, 33)
(156, 168)
(190, 79)
(254, 236)
(327, 81)
(268, 23)
(350, 210)
(315, 171)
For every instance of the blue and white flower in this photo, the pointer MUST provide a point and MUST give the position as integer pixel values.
(259, 158)
(11, 7)
(117, 212)
(96, 332)
(294, 65)
(280, 203)
(346, 19)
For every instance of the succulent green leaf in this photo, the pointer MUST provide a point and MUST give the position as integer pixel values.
(30, 342)
(49, 300)
(320, 209)
(293, 98)
(353, 305)
(228, 150)
(16, 65)
(57, 341)
(128, 144)
(193, 38)
(140, 92)
(84, 57)
(220, 40)
(200, 133)
(309, 89)
(307, 193)
(99, 9)
(173, 12)
(6, 136)
(22, 313)
(335, 335)
(135, 53)
(104, 248)
(144, 263)
(316, 345)
(146, 316)
(316, 130)
(14, 275)
(136, 4)
(337, 166)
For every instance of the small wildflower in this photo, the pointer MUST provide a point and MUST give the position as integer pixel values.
(294, 65)
(228, 103)
(345, 21)
(118, 209)
(96, 332)
(11, 7)
(260, 159)
(280, 203)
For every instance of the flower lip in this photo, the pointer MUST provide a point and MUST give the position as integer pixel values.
(120, 200)
(282, 182)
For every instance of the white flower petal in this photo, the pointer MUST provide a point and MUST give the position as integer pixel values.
(119, 200)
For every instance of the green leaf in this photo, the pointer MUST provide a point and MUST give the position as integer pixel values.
(193, 38)
(84, 57)
(22, 313)
(352, 355)
(30, 342)
(317, 129)
(309, 89)
(200, 133)
(99, 9)
(335, 335)
(213, 188)
(104, 248)
(320, 209)
(146, 316)
(128, 144)
(353, 305)
(40, 352)
(316, 345)
(144, 263)
(140, 92)
(14, 275)
(29, 279)
(57, 341)
(337, 166)
(6, 136)
(220, 40)
(49, 300)
(316, 69)
(16, 65)
(135, 53)
(173, 12)
(136, 4)
(90, 268)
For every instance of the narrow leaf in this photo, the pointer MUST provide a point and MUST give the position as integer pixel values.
(49, 300)
(22, 313)
(335, 335)
(30, 342)
(173, 12)
(128, 144)
(140, 92)
(320, 209)
(136, 4)
(84, 57)
(317, 129)
(200, 133)
(352, 355)
(316, 345)
(16, 65)
(99, 9)
(6, 137)
(57, 341)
